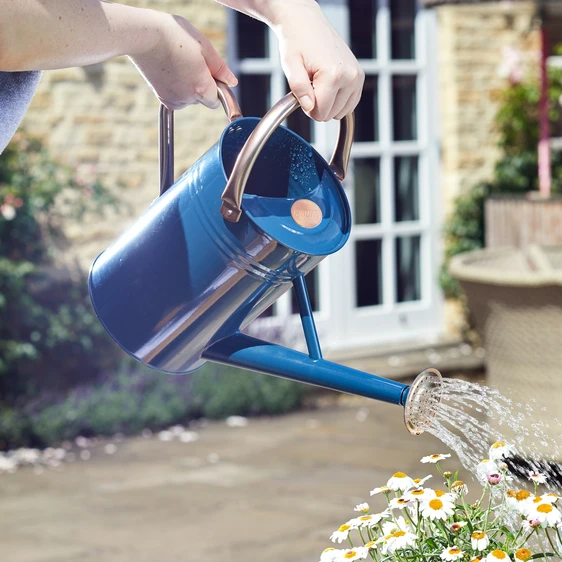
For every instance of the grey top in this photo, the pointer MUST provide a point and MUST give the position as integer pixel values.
(16, 91)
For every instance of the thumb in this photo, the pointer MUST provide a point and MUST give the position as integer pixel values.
(299, 82)
(218, 68)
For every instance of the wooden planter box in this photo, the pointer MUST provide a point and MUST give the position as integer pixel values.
(519, 221)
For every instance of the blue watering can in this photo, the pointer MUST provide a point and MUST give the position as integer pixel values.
(241, 227)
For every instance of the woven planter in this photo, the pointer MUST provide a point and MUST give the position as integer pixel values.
(515, 300)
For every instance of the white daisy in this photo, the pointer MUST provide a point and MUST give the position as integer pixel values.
(456, 527)
(497, 556)
(459, 488)
(352, 554)
(419, 482)
(381, 490)
(420, 494)
(486, 467)
(521, 502)
(479, 541)
(452, 553)
(401, 524)
(435, 458)
(440, 494)
(400, 481)
(437, 508)
(546, 513)
(400, 503)
(397, 541)
(330, 555)
(362, 507)
(501, 450)
(549, 498)
(537, 477)
(341, 534)
(371, 545)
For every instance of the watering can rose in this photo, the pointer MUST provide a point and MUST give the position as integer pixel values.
(423, 524)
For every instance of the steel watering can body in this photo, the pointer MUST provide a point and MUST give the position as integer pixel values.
(238, 229)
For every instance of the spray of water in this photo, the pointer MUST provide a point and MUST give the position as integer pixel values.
(471, 417)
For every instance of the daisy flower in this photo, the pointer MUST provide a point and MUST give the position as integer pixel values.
(476, 559)
(362, 507)
(371, 545)
(389, 527)
(446, 496)
(456, 527)
(522, 501)
(479, 541)
(497, 556)
(381, 490)
(546, 513)
(400, 503)
(459, 488)
(400, 481)
(420, 494)
(486, 467)
(341, 534)
(523, 554)
(500, 450)
(330, 555)
(437, 508)
(435, 458)
(537, 477)
(419, 482)
(549, 498)
(452, 553)
(397, 541)
(352, 554)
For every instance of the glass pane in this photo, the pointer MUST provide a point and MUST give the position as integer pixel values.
(254, 94)
(368, 256)
(362, 28)
(404, 111)
(300, 123)
(367, 176)
(366, 114)
(408, 269)
(311, 282)
(252, 38)
(406, 189)
(402, 19)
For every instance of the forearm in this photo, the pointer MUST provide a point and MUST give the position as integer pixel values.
(49, 34)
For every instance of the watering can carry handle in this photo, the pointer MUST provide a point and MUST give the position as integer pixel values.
(166, 132)
(232, 194)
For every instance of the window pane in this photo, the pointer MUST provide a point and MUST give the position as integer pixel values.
(408, 269)
(362, 28)
(311, 282)
(368, 272)
(300, 123)
(252, 38)
(402, 18)
(406, 188)
(367, 190)
(366, 114)
(254, 94)
(404, 108)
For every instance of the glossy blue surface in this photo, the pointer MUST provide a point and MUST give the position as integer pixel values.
(181, 277)
(264, 357)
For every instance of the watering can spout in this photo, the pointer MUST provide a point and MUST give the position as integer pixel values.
(419, 399)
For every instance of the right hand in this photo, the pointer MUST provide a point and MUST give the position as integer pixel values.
(183, 65)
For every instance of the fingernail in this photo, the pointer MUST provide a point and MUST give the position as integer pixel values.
(306, 103)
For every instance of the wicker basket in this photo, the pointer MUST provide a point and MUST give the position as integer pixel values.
(515, 299)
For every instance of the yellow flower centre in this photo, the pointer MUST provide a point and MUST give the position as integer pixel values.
(399, 475)
(511, 493)
(457, 484)
(417, 492)
(544, 508)
(499, 554)
(498, 444)
(476, 559)
(483, 461)
(454, 550)
(522, 495)
(371, 544)
(417, 480)
(344, 528)
(328, 549)
(403, 500)
(439, 493)
(523, 554)
(537, 499)
(385, 489)
(365, 518)
(455, 527)
(350, 554)
(478, 535)
(435, 456)
(398, 534)
(436, 504)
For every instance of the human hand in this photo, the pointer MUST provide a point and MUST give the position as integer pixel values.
(182, 66)
(321, 70)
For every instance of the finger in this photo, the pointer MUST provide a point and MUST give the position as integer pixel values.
(326, 90)
(350, 106)
(218, 67)
(299, 82)
(207, 93)
(342, 99)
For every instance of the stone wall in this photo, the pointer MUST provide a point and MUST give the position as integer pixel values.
(103, 119)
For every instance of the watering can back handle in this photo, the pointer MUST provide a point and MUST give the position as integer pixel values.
(232, 194)
(166, 132)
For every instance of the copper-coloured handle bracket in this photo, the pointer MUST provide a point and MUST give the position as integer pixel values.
(166, 132)
(234, 190)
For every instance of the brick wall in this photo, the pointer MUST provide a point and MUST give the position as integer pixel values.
(103, 120)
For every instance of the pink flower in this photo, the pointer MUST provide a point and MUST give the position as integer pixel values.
(494, 478)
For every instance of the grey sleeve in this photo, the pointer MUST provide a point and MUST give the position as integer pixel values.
(16, 92)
